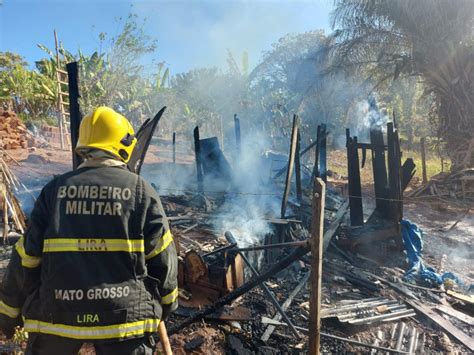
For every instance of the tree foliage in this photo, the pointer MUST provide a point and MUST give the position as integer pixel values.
(431, 39)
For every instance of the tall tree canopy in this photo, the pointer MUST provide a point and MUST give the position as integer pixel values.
(432, 39)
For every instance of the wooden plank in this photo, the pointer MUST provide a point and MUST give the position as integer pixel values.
(355, 188)
(317, 229)
(459, 296)
(444, 324)
(456, 314)
(291, 163)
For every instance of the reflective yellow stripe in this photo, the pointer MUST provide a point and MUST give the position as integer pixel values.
(9, 311)
(98, 332)
(170, 297)
(92, 245)
(163, 243)
(26, 260)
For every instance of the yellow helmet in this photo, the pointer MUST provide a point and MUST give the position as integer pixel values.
(107, 130)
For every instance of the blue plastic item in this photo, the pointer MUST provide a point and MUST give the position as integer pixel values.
(417, 272)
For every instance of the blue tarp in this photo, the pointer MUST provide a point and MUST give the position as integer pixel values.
(417, 272)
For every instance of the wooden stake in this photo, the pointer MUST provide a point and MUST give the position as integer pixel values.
(290, 167)
(317, 227)
(423, 160)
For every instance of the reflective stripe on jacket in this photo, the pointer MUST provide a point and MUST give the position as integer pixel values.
(97, 261)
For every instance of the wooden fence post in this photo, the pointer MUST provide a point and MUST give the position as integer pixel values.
(317, 229)
(423, 160)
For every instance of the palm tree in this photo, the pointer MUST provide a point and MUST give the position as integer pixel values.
(431, 39)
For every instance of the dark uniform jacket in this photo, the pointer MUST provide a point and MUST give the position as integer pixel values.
(97, 261)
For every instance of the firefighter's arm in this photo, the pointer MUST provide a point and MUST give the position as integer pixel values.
(160, 251)
(23, 271)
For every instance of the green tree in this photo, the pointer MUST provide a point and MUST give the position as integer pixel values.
(431, 39)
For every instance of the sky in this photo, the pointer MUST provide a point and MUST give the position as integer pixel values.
(189, 33)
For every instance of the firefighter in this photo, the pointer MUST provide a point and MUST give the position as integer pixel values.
(97, 263)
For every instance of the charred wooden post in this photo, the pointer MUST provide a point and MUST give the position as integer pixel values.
(379, 171)
(237, 134)
(291, 163)
(393, 154)
(174, 147)
(299, 193)
(315, 173)
(323, 153)
(317, 240)
(197, 153)
(74, 109)
(423, 160)
(355, 188)
(408, 171)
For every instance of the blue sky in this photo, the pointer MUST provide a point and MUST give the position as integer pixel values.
(189, 33)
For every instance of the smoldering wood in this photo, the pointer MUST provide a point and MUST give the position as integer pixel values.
(230, 238)
(197, 154)
(291, 162)
(271, 271)
(317, 241)
(75, 117)
(355, 188)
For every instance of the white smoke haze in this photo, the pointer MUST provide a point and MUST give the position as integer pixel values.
(363, 116)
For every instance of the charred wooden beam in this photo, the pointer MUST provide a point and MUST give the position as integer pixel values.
(291, 163)
(273, 270)
(75, 117)
(379, 171)
(355, 188)
(197, 154)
